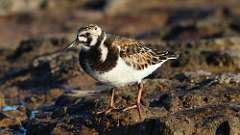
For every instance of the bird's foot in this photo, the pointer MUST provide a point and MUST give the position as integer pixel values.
(129, 108)
(133, 107)
(110, 109)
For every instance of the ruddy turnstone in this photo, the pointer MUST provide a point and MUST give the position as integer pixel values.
(117, 61)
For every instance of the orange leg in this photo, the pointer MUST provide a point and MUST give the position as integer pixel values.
(111, 107)
(138, 103)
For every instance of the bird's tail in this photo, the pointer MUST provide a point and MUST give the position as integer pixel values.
(172, 56)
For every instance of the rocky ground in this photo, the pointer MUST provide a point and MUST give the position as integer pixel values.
(198, 94)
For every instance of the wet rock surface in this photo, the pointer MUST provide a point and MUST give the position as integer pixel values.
(44, 91)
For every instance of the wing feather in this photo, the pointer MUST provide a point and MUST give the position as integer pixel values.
(139, 55)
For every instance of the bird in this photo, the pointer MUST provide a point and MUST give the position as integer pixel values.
(116, 60)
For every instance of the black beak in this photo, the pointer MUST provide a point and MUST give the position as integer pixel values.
(72, 44)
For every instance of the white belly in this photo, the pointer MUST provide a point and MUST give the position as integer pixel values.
(123, 74)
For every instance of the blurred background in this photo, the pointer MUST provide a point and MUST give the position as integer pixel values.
(153, 19)
(34, 74)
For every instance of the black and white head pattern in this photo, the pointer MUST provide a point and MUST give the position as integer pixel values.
(88, 36)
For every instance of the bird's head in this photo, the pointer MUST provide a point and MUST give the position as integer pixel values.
(87, 37)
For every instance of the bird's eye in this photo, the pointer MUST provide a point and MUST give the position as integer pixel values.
(95, 28)
(87, 34)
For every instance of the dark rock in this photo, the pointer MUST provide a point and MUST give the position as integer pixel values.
(19, 114)
(12, 73)
(2, 116)
(179, 30)
(12, 118)
(183, 14)
(39, 127)
(55, 68)
(59, 130)
(235, 25)
(195, 105)
(6, 132)
(36, 100)
(65, 100)
(53, 94)
(199, 89)
(25, 18)
(30, 48)
(56, 64)
(204, 54)
(218, 58)
(207, 120)
(62, 128)
(96, 4)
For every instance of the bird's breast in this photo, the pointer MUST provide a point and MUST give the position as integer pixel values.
(92, 61)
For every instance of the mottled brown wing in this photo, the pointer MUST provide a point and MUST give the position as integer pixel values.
(138, 55)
